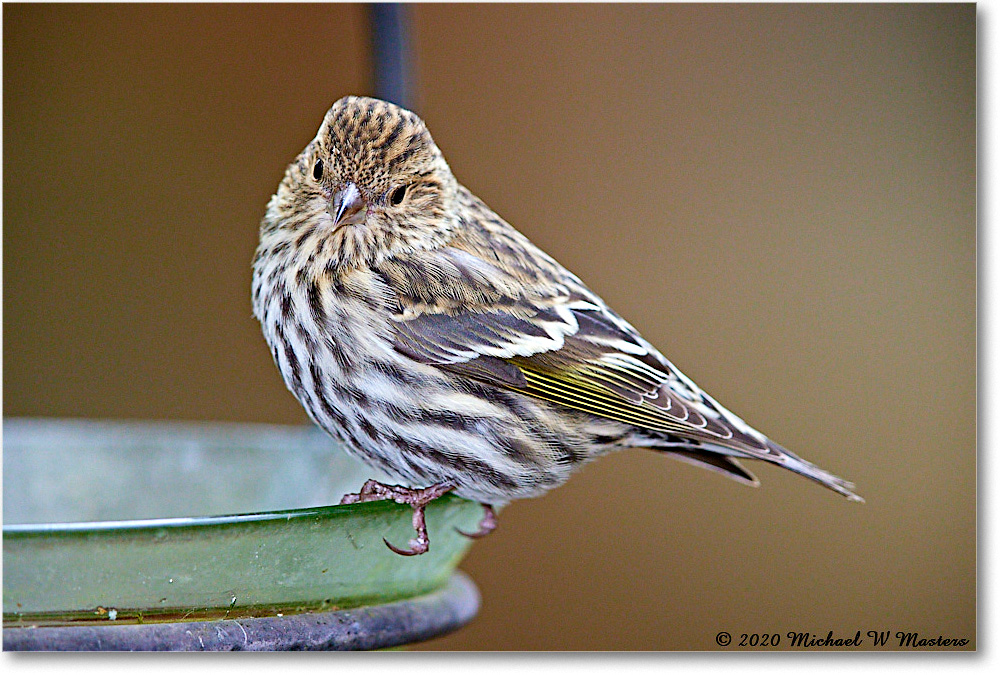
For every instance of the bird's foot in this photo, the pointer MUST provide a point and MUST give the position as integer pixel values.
(486, 525)
(418, 498)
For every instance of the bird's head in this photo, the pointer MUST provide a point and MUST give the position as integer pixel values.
(372, 183)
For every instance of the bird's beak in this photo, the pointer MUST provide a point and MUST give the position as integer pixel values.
(348, 207)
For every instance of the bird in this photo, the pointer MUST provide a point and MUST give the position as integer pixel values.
(442, 347)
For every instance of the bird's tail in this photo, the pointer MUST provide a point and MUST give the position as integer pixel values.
(713, 461)
(724, 461)
(793, 462)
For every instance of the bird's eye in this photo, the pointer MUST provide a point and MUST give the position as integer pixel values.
(396, 198)
(318, 169)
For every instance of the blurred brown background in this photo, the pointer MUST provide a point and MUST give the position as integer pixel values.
(781, 197)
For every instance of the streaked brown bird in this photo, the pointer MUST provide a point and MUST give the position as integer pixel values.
(444, 348)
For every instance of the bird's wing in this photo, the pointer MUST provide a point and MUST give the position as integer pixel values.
(553, 340)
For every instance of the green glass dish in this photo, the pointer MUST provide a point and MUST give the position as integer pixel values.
(119, 522)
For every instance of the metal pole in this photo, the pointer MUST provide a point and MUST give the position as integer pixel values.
(391, 52)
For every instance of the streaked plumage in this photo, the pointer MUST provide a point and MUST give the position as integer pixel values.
(442, 346)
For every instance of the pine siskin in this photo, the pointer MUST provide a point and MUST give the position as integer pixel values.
(444, 348)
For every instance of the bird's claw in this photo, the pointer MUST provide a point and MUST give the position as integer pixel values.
(486, 525)
(371, 491)
(418, 498)
(416, 547)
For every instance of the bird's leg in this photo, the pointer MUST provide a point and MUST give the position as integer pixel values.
(486, 525)
(418, 498)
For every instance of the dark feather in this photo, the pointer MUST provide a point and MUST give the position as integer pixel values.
(490, 369)
(713, 461)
